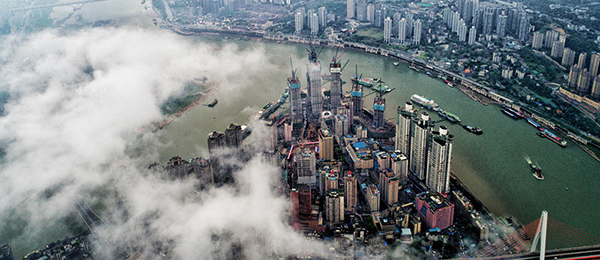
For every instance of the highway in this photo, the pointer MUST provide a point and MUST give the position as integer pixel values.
(587, 252)
(55, 5)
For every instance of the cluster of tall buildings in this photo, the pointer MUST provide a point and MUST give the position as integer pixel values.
(583, 74)
(429, 151)
(491, 20)
(363, 11)
(314, 20)
(403, 28)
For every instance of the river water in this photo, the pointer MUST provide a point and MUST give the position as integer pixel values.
(492, 165)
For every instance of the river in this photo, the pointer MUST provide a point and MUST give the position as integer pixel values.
(492, 165)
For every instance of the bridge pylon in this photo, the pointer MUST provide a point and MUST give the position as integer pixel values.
(541, 233)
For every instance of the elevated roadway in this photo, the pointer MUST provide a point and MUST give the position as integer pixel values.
(55, 5)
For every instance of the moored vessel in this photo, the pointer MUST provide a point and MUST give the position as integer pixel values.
(553, 137)
(425, 102)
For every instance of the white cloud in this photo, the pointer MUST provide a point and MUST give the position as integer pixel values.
(80, 98)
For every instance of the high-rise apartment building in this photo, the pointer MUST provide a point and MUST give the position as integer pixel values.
(325, 144)
(299, 23)
(472, 35)
(538, 40)
(387, 30)
(403, 134)
(402, 31)
(417, 32)
(322, 16)
(568, 57)
(314, 24)
(462, 31)
(389, 186)
(501, 25)
(350, 9)
(558, 48)
(350, 191)
(334, 208)
(420, 129)
(594, 63)
(439, 158)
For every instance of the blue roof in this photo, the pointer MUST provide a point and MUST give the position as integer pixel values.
(359, 145)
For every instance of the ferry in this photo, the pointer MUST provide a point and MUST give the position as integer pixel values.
(425, 102)
(475, 130)
(213, 103)
(537, 171)
(396, 63)
(554, 138)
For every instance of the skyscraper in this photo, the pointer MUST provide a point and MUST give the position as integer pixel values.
(439, 158)
(314, 24)
(594, 63)
(350, 191)
(295, 90)
(389, 186)
(595, 93)
(379, 112)
(568, 57)
(299, 23)
(501, 25)
(325, 144)
(361, 10)
(417, 32)
(335, 93)
(349, 9)
(313, 76)
(356, 96)
(387, 30)
(233, 136)
(462, 32)
(557, 49)
(523, 27)
(538, 39)
(472, 35)
(583, 83)
(306, 167)
(371, 13)
(455, 22)
(573, 76)
(420, 129)
(322, 16)
(488, 21)
(216, 140)
(335, 208)
(402, 31)
(581, 61)
(403, 128)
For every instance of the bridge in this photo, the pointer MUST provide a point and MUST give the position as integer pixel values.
(568, 243)
(55, 5)
(90, 219)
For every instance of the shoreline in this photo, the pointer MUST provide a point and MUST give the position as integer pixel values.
(207, 93)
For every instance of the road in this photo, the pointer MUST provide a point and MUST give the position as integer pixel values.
(56, 5)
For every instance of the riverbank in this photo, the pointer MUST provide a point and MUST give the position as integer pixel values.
(211, 89)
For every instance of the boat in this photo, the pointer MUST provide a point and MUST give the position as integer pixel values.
(510, 114)
(515, 112)
(554, 138)
(213, 103)
(396, 63)
(566, 188)
(367, 82)
(475, 130)
(413, 68)
(246, 131)
(267, 106)
(534, 124)
(537, 171)
(425, 102)
(451, 117)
